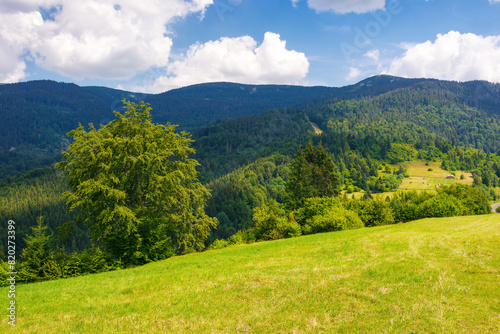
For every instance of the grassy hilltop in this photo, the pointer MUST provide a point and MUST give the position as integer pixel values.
(428, 276)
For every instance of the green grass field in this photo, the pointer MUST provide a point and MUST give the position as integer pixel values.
(428, 276)
(423, 179)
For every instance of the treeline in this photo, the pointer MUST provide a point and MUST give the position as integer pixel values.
(28, 196)
(274, 220)
(41, 260)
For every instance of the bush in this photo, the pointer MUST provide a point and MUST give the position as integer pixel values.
(474, 201)
(333, 219)
(498, 210)
(241, 237)
(219, 244)
(4, 269)
(405, 204)
(442, 205)
(90, 261)
(271, 223)
(376, 212)
(406, 212)
(315, 206)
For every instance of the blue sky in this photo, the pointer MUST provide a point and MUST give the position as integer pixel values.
(157, 45)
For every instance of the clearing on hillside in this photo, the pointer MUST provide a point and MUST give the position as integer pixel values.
(430, 176)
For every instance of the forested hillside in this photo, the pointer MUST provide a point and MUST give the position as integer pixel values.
(429, 115)
(369, 130)
(37, 115)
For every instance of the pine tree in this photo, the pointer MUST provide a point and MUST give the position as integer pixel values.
(312, 174)
(323, 177)
(37, 254)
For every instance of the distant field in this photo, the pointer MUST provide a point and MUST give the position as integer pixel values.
(423, 179)
(428, 276)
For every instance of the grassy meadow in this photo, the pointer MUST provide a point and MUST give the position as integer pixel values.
(421, 178)
(427, 276)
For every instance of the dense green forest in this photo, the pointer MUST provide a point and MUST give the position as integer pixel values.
(249, 164)
(37, 115)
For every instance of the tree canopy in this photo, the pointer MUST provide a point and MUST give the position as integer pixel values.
(312, 174)
(136, 187)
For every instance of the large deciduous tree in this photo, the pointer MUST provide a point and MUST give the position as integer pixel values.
(136, 187)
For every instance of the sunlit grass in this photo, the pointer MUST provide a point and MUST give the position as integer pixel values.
(429, 276)
(421, 178)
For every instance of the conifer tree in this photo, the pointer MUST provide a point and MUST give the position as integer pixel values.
(312, 174)
(37, 254)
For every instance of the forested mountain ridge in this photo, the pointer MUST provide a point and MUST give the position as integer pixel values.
(427, 114)
(37, 115)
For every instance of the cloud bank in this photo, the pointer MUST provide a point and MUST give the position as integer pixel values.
(345, 6)
(117, 39)
(453, 56)
(238, 59)
(93, 38)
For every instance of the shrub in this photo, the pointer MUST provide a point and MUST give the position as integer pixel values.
(406, 212)
(271, 223)
(376, 212)
(333, 219)
(474, 201)
(442, 205)
(241, 237)
(405, 204)
(90, 261)
(4, 269)
(315, 206)
(219, 244)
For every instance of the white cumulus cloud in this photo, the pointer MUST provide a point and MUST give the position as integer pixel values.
(373, 54)
(346, 6)
(17, 31)
(238, 59)
(453, 56)
(354, 73)
(107, 39)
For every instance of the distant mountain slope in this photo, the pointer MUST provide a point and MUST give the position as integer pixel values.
(36, 115)
(201, 105)
(425, 113)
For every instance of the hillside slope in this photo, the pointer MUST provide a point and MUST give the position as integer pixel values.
(428, 276)
(258, 118)
(37, 115)
(366, 118)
